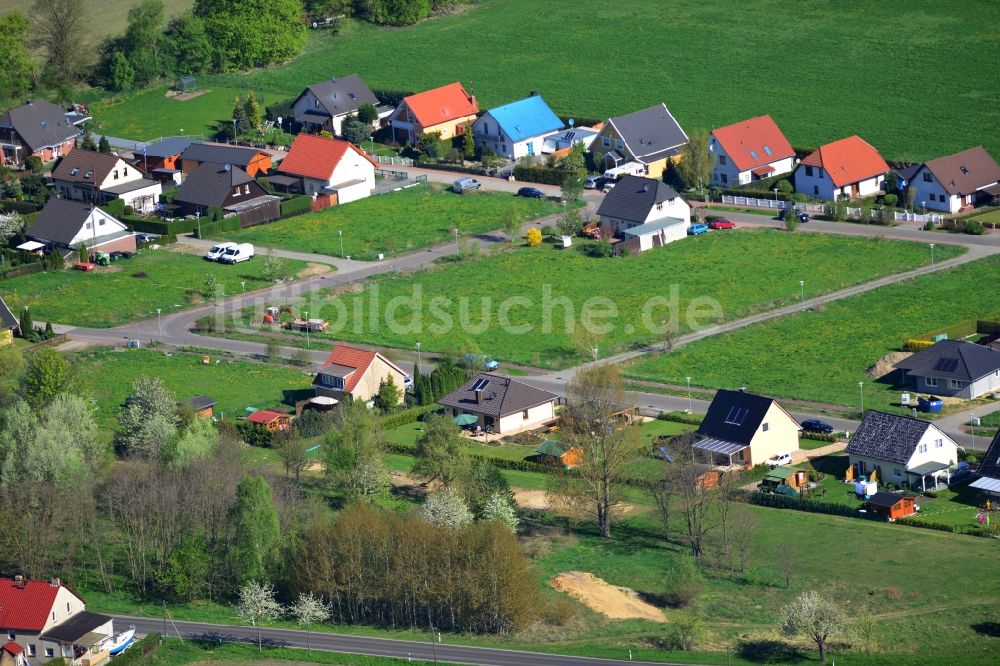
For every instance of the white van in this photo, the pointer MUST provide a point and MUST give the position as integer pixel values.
(216, 251)
(238, 253)
(627, 169)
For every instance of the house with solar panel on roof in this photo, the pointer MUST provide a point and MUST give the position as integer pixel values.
(749, 150)
(741, 429)
(500, 404)
(518, 129)
(953, 368)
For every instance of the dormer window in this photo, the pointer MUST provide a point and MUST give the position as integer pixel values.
(236, 192)
(246, 189)
(74, 171)
(88, 174)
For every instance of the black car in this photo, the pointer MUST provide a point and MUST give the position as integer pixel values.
(530, 192)
(815, 425)
(803, 217)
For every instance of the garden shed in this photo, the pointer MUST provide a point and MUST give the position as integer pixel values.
(791, 477)
(186, 83)
(891, 505)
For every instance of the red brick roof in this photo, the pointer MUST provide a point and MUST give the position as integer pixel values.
(351, 357)
(263, 416)
(313, 156)
(739, 139)
(848, 160)
(12, 648)
(26, 605)
(439, 105)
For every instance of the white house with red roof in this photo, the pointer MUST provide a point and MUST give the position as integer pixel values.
(849, 166)
(356, 372)
(319, 165)
(42, 620)
(749, 150)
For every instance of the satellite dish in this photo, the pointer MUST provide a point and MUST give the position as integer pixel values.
(279, 121)
(571, 122)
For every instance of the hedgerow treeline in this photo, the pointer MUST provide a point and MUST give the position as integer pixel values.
(378, 567)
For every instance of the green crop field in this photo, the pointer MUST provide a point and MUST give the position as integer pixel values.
(394, 223)
(824, 71)
(129, 289)
(515, 306)
(235, 385)
(823, 355)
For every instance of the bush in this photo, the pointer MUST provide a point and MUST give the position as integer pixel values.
(139, 651)
(974, 228)
(313, 423)
(914, 345)
(407, 416)
(930, 493)
(799, 504)
(682, 583)
(542, 175)
(890, 199)
(819, 436)
(684, 631)
(680, 417)
(598, 250)
(296, 205)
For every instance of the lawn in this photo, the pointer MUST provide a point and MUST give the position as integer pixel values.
(507, 48)
(823, 355)
(234, 384)
(151, 115)
(993, 217)
(394, 223)
(130, 289)
(176, 653)
(520, 306)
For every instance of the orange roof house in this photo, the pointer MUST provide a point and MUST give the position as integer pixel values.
(356, 372)
(749, 150)
(851, 167)
(319, 165)
(448, 110)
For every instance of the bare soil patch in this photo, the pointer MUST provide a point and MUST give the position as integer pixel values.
(312, 270)
(183, 97)
(616, 603)
(883, 366)
(540, 500)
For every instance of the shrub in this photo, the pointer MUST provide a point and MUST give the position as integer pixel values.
(296, 205)
(974, 228)
(890, 199)
(599, 250)
(682, 583)
(930, 493)
(679, 417)
(542, 175)
(129, 211)
(313, 423)
(928, 226)
(407, 416)
(684, 631)
(558, 611)
(914, 345)
(139, 652)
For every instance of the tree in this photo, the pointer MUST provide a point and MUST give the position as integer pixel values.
(257, 605)
(355, 131)
(571, 223)
(253, 33)
(61, 31)
(368, 480)
(910, 193)
(682, 582)
(791, 218)
(292, 451)
(499, 508)
(189, 44)
(392, 12)
(389, 394)
(87, 140)
(145, 42)
(575, 160)
(253, 112)
(534, 237)
(81, 253)
(695, 164)
(482, 483)
(441, 451)
(446, 508)
(275, 269)
(194, 442)
(188, 568)
(815, 617)
(572, 187)
(241, 123)
(149, 419)
(45, 376)
(681, 487)
(12, 366)
(26, 324)
(367, 114)
(352, 452)
(256, 531)
(18, 68)
(308, 610)
(11, 224)
(595, 396)
(511, 222)
(103, 146)
(468, 145)
(785, 186)
(209, 286)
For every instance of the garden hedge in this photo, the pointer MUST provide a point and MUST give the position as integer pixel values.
(139, 652)
(679, 417)
(210, 229)
(542, 175)
(297, 205)
(397, 419)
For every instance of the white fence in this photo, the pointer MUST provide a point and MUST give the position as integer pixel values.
(917, 217)
(751, 201)
(393, 159)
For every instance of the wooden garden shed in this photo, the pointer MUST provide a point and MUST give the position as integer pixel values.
(273, 421)
(891, 505)
(793, 477)
(555, 451)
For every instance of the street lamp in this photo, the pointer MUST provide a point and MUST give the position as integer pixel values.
(690, 410)
(924, 205)
(244, 286)
(159, 326)
(197, 214)
(418, 355)
(932, 255)
(775, 194)
(340, 232)
(456, 240)
(371, 140)
(802, 293)
(350, 278)
(306, 314)
(861, 385)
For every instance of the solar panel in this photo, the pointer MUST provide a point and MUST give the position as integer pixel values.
(946, 364)
(736, 415)
(480, 384)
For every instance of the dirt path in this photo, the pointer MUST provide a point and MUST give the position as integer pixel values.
(616, 603)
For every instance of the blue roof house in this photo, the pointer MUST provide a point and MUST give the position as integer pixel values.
(517, 129)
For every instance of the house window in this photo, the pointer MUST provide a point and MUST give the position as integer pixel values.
(927, 176)
(246, 189)
(930, 381)
(722, 160)
(53, 616)
(236, 192)
(606, 141)
(116, 174)
(67, 606)
(31, 649)
(330, 380)
(524, 415)
(956, 384)
(724, 177)
(921, 448)
(100, 223)
(809, 171)
(49, 652)
(486, 128)
(503, 147)
(821, 174)
(619, 144)
(765, 426)
(11, 636)
(659, 206)
(815, 189)
(938, 443)
(896, 473)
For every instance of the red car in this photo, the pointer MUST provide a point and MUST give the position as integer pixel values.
(721, 224)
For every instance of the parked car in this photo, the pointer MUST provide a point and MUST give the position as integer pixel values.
(463, 185)
(530, 192)
(697, 228)
(779, 460)
(803, 217)
(216, 251)
(591, 183)
(815, 425)
(145, 238)
(407, 383)
(234, 255)
(481, 361)
(609, 185)
(721, 223)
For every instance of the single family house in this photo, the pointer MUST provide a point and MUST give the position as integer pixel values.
(46, 620)
(273, 421)
(227, 187)
(561, 142)
(356, 372)
(87, 175)
(39, 129)
(901, 450)
(953, 368)
(989, 470)
(517, 129)
(64, 225)
(254, 162)
(742, 429)
(326, 105)
(319, 165)
(850, 167)
(643, 214)
(650, 137)
(162, 160)
(501, 404)
(447, 110)
(958, 181)
(749, 150)
(9, 325)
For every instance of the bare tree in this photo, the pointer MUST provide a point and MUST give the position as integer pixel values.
(813, 616)
(693, 501)
(307, 611)
(592, 422)
(257, 605)
(743, 532)
(789, 558)
(61, 31)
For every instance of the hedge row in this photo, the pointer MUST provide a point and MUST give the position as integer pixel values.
(970, 530)
(23, 269)
(139, 651)
(819, 436)
(296, 205)
(210, 229)
(411, 415)
(913, 345)
(23, 207)
(542, 175)
(773, 501)
(160, 227)
(680, 417)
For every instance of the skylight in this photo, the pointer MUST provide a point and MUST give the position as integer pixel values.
(74, 171)
(753, 154)
(480, 384)
(767, 150)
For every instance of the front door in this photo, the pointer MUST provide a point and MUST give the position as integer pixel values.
(531, 148)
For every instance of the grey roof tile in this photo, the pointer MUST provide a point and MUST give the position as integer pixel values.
(501, 396)
(40, 124)
(889, 437)
(953, 359)
(734, 416)
(633, 197)
(650, 134)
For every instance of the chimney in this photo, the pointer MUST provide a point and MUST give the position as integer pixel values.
(743, 388)
(20, 583)
(534, 93)
(479, 396)
(55, 582)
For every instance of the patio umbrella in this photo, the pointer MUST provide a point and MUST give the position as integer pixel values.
(466, 419)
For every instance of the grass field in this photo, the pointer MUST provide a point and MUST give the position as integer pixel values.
(446, 307)
(191, 653)
(823, 355)
(234, 384)
(150, 115)
(507, 48)
(130, 289)
(394, 223)
(993, 217)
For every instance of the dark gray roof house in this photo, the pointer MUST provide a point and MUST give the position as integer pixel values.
(8, 322)
(743, 428)
(650, 134)
(902, 449)
(39, 124)
(66, 223)
(338, 96)
(635, 198)
(954, 368)
(77, 627)
(889, 437)
(495, 396)
(212, 184)
(734, 416)
(219, 154)
(989, 469)
(175, 145)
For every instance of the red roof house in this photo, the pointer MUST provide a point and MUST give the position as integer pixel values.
(356, 372)
(448, 110)
(749, 150)
(271, 420)
(318, 165)
(849, 167)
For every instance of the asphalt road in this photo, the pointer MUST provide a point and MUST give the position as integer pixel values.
(380, 647)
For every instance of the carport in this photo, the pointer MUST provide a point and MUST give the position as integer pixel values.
(933, 470)
(721, 452)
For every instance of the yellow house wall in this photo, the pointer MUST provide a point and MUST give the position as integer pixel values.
(782, 436)
(367, 388)
(447, 129)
